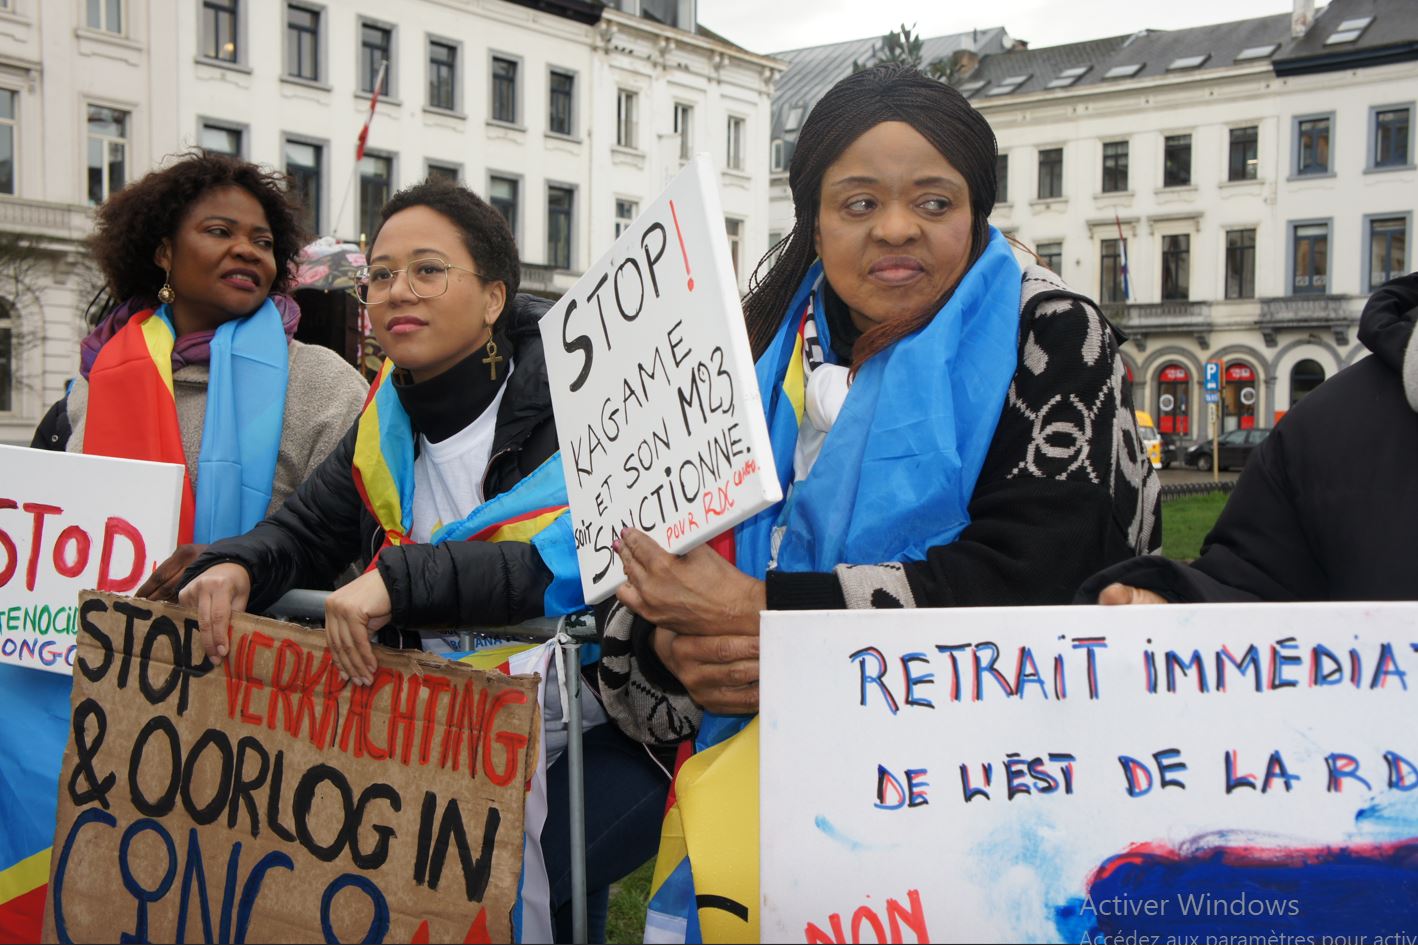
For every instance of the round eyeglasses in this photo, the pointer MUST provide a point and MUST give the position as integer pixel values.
(428, 278)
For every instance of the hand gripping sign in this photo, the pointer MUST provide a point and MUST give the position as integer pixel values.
(70, 522)
(269, 800)
(652, 380)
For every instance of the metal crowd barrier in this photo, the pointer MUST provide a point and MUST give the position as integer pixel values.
(570, 633)
(1176, 490)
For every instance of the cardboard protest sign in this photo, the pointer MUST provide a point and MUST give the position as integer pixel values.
(266, 800)
(69, 522)
(657, 405)
(1239, 772)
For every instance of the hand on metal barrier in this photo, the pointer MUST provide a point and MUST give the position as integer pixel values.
(216, 594)
(353, 614)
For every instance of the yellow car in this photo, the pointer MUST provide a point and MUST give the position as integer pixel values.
(1151, 441)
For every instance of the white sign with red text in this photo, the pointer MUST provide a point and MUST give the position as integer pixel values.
(68, 523)
(652, 380)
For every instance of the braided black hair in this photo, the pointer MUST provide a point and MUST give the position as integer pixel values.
(852, 107)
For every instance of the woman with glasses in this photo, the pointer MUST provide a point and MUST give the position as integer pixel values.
(458, 422)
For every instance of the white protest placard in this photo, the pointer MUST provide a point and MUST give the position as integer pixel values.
(1090, 774)
(652, 381)
(69, 523)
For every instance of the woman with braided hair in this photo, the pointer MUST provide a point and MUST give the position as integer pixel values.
(949, 431)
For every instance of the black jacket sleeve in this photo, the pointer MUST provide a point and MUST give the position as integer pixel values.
(53, 430)
(474, 583)
(1064, 491)
(464, 583)
(307, 542)
(1260, 548)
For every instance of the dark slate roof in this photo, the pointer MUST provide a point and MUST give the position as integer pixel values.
(1040, 66)
(1391, 36)
(815, 69)
(582, 11)
(707, 33)
(1153, 51)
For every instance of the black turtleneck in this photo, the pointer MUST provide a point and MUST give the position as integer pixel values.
(840, 325)
(441, 406)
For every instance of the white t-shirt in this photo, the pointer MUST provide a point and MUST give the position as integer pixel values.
(448, 475)
(448, 484)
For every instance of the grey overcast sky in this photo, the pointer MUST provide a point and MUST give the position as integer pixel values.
(766, 26)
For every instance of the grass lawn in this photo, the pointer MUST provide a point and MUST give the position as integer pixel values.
(626, 921)
(1185, 522)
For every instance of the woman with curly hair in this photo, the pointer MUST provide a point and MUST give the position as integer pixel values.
(198, 365)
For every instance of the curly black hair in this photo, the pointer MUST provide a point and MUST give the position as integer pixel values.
(131, 224)
(485, 231)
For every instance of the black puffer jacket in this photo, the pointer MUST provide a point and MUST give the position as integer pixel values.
(324, 525)
(54, 430)
(1327, 508)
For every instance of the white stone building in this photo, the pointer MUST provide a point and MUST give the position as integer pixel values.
(566, 115)
(1260, 178)
(1259, 174)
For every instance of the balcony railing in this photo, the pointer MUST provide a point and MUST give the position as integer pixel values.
(1159, 316)
(1309, 311)
(59, 220)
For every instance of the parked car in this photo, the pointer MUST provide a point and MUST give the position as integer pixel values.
(1235, 445)
(1151, 442)
(1169, 450)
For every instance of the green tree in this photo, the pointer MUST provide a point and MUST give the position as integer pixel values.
(904, 46)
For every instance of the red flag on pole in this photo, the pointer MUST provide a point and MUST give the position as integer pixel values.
(373, 101)
(1123, 253)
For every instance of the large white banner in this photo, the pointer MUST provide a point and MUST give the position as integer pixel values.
(657, 406)
(1089, 774)
(68, 523)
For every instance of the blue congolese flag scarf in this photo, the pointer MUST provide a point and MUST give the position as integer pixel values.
(132, 414)
(893, 479)
(534, 510)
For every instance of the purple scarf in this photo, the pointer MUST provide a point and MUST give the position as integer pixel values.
(192, 348)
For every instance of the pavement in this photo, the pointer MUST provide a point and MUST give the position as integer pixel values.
(1176, 474)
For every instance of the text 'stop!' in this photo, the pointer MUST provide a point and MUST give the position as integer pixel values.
(657, 406)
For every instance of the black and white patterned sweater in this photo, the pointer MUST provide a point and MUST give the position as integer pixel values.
(1066, 489)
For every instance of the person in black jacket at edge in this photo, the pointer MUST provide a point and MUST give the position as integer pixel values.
(441, 288)
(1327, 506)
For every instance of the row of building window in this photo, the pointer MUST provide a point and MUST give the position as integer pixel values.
(305, 165)
(1387, 258)
(304, 162)
(1390, 148)
(377, 47)
(627, 129)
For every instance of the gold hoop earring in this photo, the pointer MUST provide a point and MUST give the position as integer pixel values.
(493, 358)
(165, 294)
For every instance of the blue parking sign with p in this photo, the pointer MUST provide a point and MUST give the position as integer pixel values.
(1213, 375)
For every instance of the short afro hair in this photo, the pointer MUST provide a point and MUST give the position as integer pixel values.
(485, 231)
(131, 224)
